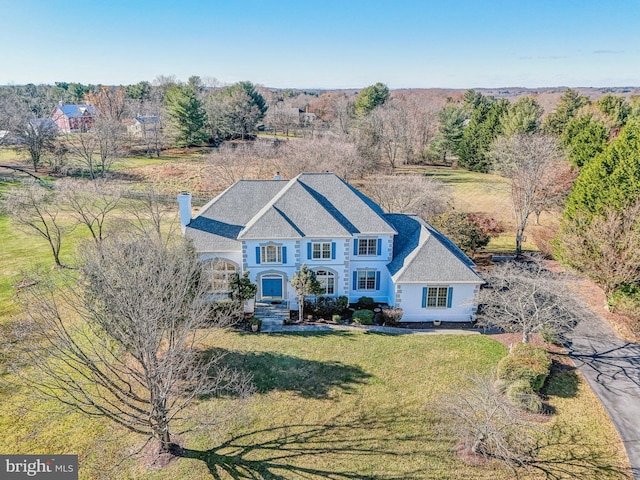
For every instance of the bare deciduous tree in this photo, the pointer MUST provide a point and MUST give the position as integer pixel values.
(12, 113)
(109, 134)
(38, 135)
(135, 357)
(149, 215)
(606, 248)
(96, 148)
(527, 298)
(83, 148)
(531, 162)
(90, 202)
(489, 426)
(36, 209)
(232, 162)
(382, 134)
(416, 194)
(322, 154)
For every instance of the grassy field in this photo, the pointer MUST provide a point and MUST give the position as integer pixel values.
(335, 405)
(22, 253)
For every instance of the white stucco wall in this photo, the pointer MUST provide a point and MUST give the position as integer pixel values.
(462, 304)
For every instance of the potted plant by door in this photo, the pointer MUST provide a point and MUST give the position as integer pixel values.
(255, 323)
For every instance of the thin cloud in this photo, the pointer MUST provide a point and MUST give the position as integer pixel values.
(607, 52)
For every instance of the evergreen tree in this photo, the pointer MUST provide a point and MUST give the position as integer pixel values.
(235, 111)
(452, 119)
(186, 114)
(609, 181)
(601, 207)
(584, 138)
(566, 109)
(522, 116)
(305, 283)
(616, 108)
(484, 127)
(370, 97)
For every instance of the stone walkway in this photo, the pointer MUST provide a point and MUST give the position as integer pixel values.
(273, 328)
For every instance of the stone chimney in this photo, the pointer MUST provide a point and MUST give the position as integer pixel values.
(184, 203)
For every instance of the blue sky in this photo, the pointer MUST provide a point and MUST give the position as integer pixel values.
(324, 44)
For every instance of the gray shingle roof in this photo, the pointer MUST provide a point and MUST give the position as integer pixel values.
(147, 119)
(310, 205)
(421, 254)
(357, 213)
(294, 212)
(218, 224)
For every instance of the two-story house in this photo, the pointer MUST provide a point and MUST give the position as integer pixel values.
(272, 227)
(74, 118)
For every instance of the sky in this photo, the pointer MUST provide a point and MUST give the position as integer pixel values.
(324, 44)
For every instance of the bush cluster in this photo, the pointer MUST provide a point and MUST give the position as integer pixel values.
(392, 316)
(525, 362)
(326, 307)
(366, 302)
(521, 395)
(363, 317)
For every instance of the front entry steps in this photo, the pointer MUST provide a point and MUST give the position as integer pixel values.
(272, 315)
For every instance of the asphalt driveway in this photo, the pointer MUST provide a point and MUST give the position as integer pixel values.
(612, 369)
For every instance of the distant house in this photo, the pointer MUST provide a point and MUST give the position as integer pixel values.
(307, 117)
(272, 227)
(143, 126)
(43, 124)
(74, 118)
(294, 116)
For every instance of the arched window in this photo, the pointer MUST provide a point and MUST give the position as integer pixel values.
(328, 281)
(219, 273)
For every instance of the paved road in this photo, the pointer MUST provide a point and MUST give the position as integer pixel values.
(612, 368)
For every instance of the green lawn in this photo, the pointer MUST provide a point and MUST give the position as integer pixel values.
(328, 405)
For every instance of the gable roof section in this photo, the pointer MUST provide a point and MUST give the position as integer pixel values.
(357, 213)
(293, 213)
(147, 119)
(421, 254)
(78, 110)
(217, 226)
(310, 205)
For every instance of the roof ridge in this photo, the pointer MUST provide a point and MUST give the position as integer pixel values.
(422, 240)
(267, 206)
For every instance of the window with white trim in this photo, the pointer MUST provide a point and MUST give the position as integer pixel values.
(219, 272)
(321, 250)
(366, 280)
(367, 246)
(437, 297)
(327, 280)
(271, 254)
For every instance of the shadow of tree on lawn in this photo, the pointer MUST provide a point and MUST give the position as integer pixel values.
(308, 378)
(314, 451)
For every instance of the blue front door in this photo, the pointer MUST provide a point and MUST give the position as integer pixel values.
(272, 287)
